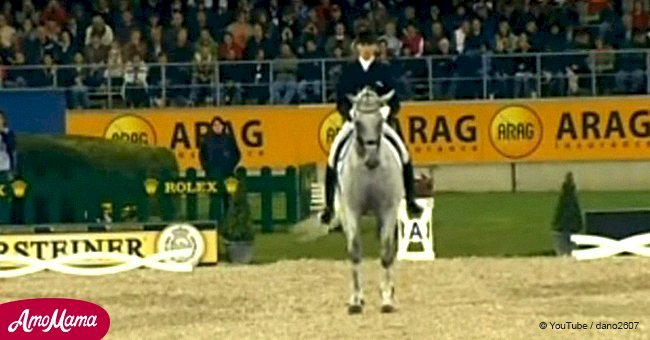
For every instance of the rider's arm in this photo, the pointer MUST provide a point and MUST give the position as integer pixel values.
(390, 83)
(343, 104)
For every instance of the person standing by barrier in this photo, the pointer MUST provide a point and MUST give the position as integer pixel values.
(219, 153)
(7, 149)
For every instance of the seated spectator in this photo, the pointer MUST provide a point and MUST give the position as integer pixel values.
(578, 70)
(7, 33)
(336, 17)
(156, 44)
(230, 80)
(640, 17)
(475, 41)
(54, 11)
(631, 66)
(414, 71)
(310, 32)
(309, 74)
(413, 40)
(285, 69)
(95, 52)
(436, 34)
(99, 29)
(204, 71)
(258, 80)
(159, 81)
(505, 35)
(135, 45)
(135, 85)
(333, 70)
(241, 29)
(603, 59)
(554, 65)
(181, 73)
(339, 39)
(255, 42)
(525, 69)
(444, 71)
(394, 44)
(18, 75)
(46, 75)
(535, 37)
(170, 34)
(66, 50)
(126, 26)
(114, 67)
(460, 34)
(227, 46)
(206, 40)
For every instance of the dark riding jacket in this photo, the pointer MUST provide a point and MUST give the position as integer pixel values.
(354, 78)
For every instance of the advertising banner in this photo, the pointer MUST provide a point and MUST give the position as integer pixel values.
(436, 133)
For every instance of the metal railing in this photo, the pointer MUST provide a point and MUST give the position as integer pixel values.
(466, 76)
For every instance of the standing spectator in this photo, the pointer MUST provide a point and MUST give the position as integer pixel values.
(99, 29)
(241, 29)
(230, 79)
(157, 83)
(18, 75)
(258, 79)
(78, 92)
(414, 72)
(45, 75)
(631, 67)
(444, 71)
(640, 17)
(413, 40)
(181, 55)
(554, 64)
(114, 67)
(218, 151)
(66, 50)
(228, 45)
(339, 39)
(309, 74)
(502, 71)
(578, 70)
(334, 70)
(8, 159)
(284, 85)
(255, 42)
(393, 43)
(525, 68)
(204, 69)
(135, 85)
(603, 59)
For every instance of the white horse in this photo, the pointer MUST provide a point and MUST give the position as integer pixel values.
(369, 182)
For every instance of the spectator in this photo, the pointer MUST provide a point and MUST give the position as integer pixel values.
(135, 45)
(444, 71)
(309, 74)
(414, 71)
(8, 152)
(156, 44)
(201, 22)
(525, 69)
(413, 40)
(114, 67)
(125, 28)
(241, 30)
(393, 43)
(339, 39)
(181, 74)
(284, 86)
(407, 18)
(6, 33)
(96, 52)
(76, 79)
(18, 75)
(310, 32)
(640, 17)
(46, 75)
(534, 36)
(66, 50)
(171, 33)
(488, 20)
(334, 70)
(206, 40)
(227, 46)
(204, 69)
(623, 33)
(505, 35)
(135, 85)
(336, 17)
(103, 9)
(631, 67)
(157, 82)
(218, 151)
(258, 78)
(554, 65)
(578, 68)
(255, 42)
(99, 29)
(460, 34)
(475, 41)
(54, 12)
(502, 71)
(435, 34)
(603, 59)
(231, 77)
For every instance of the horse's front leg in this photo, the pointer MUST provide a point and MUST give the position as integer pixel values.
(352, 234)
(387, 288)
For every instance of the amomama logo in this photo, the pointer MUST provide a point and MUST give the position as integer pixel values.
(131, 128)
(53, 318)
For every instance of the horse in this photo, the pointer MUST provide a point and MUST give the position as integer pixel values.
(369, 183)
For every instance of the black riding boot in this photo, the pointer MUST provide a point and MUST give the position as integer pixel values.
(412, 207)
(330, 182)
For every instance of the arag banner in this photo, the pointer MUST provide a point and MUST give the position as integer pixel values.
(436, 132)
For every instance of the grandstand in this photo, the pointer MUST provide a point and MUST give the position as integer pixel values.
(141, 53)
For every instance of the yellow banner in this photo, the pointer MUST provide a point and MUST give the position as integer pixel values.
(436, 132)
(138, 243)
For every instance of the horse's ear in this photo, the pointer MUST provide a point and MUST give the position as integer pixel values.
(385, 112)
(385, 98)
(353, 99)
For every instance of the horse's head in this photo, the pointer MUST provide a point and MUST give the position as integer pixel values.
(368, 115)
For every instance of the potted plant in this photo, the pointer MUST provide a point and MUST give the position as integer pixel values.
(568, 217)
(237, 229)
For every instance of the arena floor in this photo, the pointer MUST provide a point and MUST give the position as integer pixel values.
(469, 298)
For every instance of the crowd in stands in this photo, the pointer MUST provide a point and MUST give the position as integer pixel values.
(195, 47)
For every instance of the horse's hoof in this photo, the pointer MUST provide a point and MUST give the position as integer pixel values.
(388, 309)
(355, 309)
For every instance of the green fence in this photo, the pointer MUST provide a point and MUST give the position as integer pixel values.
(85, 197)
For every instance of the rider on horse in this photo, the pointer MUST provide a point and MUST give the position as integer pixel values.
(357, 75)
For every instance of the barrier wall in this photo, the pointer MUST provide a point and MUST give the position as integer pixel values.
(35, 111)
(437, 132)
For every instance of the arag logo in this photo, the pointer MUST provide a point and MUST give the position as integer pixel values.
(516, 131)
(131, 128)
(328, 130)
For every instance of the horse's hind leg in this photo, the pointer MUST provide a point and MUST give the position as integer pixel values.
(352, 235)
(387, 289)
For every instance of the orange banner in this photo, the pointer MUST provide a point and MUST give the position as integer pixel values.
(456, 132)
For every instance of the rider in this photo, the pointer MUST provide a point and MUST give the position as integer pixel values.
(357, 75)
